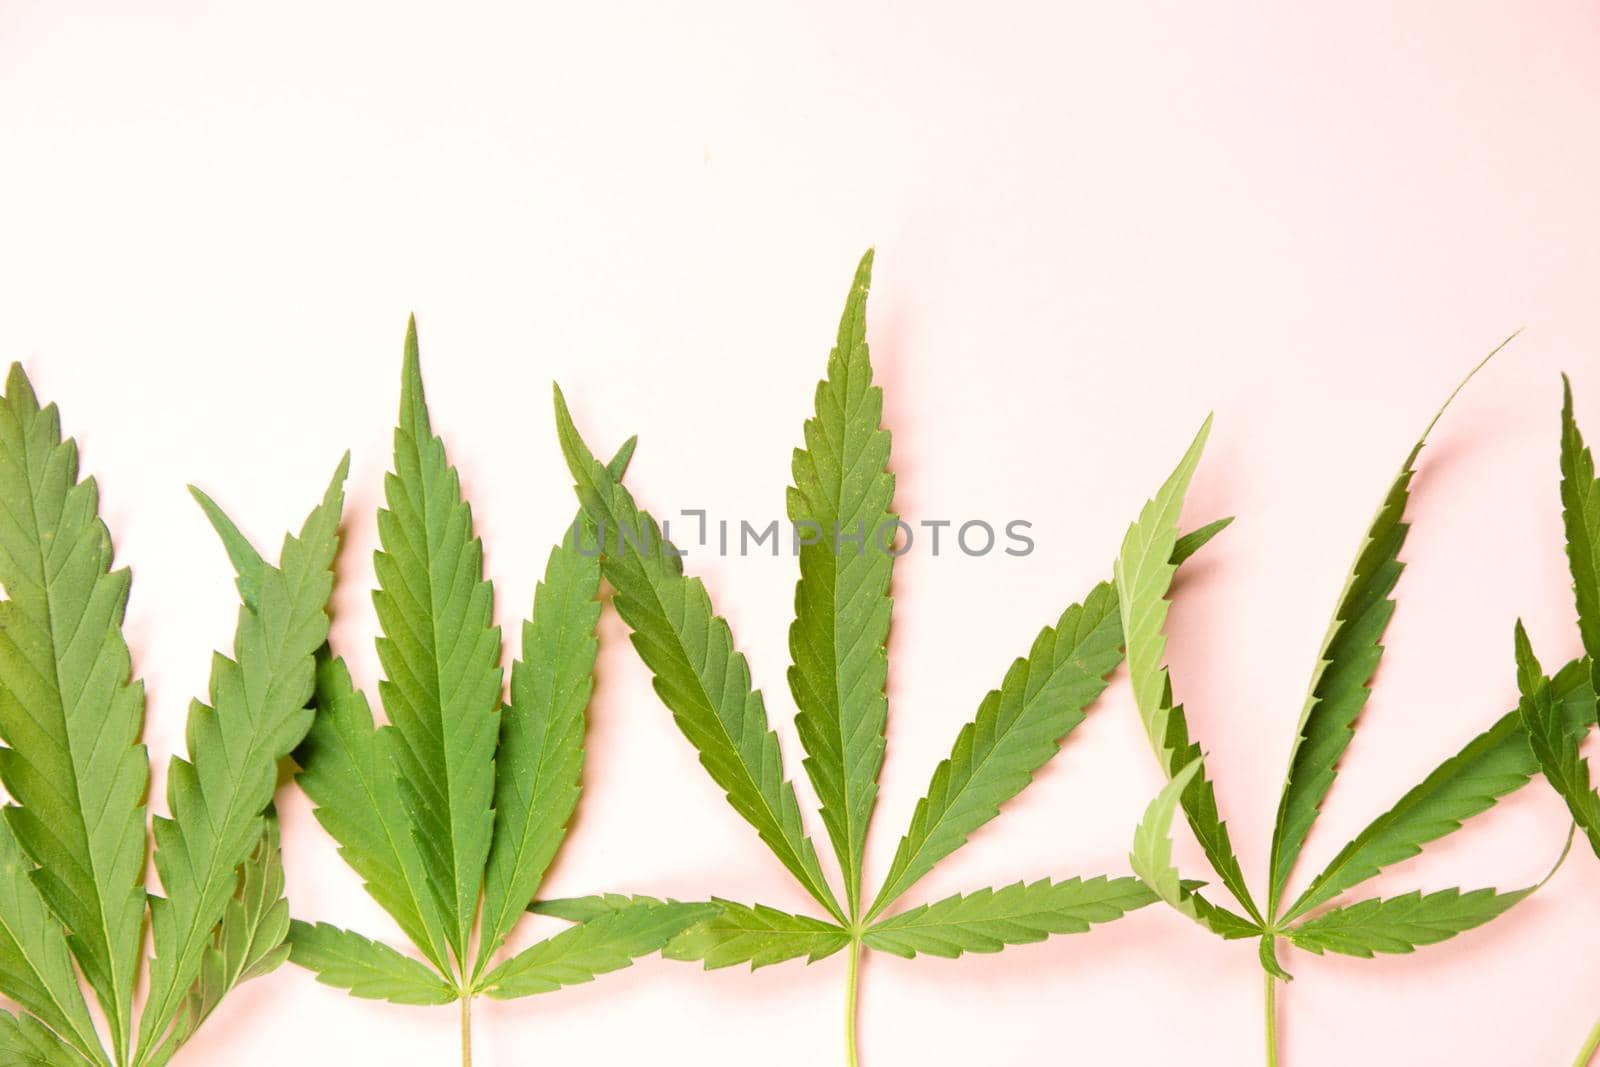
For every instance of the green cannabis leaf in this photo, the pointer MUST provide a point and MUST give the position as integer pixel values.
(1554, 736)
(72, 845)
(842, 513)
(452, 812)
(1494, 763)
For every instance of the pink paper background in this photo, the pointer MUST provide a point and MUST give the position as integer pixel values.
(1310, 219)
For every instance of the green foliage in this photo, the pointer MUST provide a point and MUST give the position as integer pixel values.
(841, 508)
(1493, 764)
(842, 488)
(366, 968)
(252, 939)
(73, 900)
(1555, 741)
(453, 811)
(757, 935)
(1019, 914)
(605, 943)
(1554, 736)
(1400, 924)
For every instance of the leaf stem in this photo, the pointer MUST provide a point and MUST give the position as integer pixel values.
(466, 1030)
(1589, 1048)
(851, 995)
(1272, 1021)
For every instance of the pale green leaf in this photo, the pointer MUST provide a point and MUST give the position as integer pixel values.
(257, 715)
(540, 757)
(69, 712)
(440, 654)
(698, 673)
(1019, 914)
(1143, 572)
(1401, 924)
(365, 968)
(349, 775)
(606, 943)
(1151, 860)
(840, 501)
(757, 935)
(1496, 762)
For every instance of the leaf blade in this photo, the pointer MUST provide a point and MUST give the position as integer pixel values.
(582, 953)
(72, 714)
(1348, 659)
(757, 935)
(1340, 683)
(440, 654)
(698, 673)
(1580, 517)
(1401, 924)
(35, 964)
(1016, 730)
(365, 968)
(1151, 861)
(26, 1042)
(540, 757)
(217, 797)
(1143, 572)
(837, 642)
(1019, 914)
(348, 772)
(249, 942)
(1491, 765)
(1554, 744)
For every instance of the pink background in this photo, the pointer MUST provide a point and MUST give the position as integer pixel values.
(1311, 219)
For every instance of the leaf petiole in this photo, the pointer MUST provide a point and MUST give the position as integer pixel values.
(1272, 1021)
(1589, 1047)
(851, 995)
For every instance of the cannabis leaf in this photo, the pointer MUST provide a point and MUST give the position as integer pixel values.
(452, 812)
(842, 514)
(1554, 735)
(1491, 765)
(72, 845)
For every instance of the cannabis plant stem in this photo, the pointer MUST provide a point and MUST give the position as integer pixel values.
(1589, 1047)
(851, 995)
(1272, 1021)
(466, 1031)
